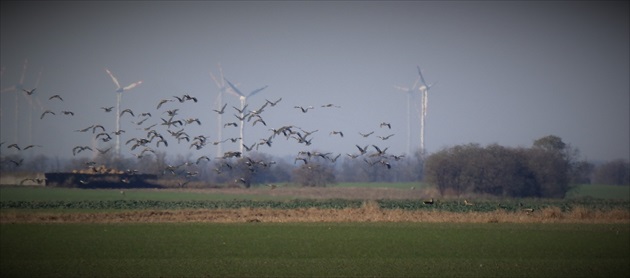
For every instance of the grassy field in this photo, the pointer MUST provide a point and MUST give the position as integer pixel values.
(370, 243)
(315, 249)
(341, 190)
(600, 191)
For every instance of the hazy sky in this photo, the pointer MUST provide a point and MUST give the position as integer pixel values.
(504, 72)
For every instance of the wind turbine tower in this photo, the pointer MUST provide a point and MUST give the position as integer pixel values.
(119, 91)
(243, 98)
(424, 92)
(222, 89)
(409, 91)
(17, 88)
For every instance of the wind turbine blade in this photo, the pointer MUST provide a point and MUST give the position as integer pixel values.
(404, 89)
(256, 91)
(9, 89)
(216, 81)
(132, 85)
(113, 78)
(39, 77)
(221, 72)
(415, 84)
(234, 89)
(421, 77)
(23, 73)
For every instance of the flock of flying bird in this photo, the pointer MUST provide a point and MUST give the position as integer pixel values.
(171, 126)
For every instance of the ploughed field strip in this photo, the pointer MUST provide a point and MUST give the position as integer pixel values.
(312, 210)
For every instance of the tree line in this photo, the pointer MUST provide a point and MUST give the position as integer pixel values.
(546, 169)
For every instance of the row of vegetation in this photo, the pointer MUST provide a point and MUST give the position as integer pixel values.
(438, 205)
(547, 169)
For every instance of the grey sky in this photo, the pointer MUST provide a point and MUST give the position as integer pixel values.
(506, 72)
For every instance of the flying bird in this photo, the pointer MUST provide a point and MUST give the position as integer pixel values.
(304, 110)
(222, 109)
(15, 146)
(336, 132)
(103, 151)
(362, 150)
(46, 112)
(108, 109)
(162, 102)
(388, 125)
(128, 111)
(331, 105)
(29, 92)
(55, 96)
(202, 158)
(79, 149)
(17, 163)
(31, 146)
(68, 113)
(273, 103)
(385, 137)
(365, 135)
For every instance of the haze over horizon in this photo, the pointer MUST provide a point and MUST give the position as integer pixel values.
(503, 72)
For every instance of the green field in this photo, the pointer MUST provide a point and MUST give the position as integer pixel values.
(600, 191)
(16, 193)
(74, 194)
(318, 249)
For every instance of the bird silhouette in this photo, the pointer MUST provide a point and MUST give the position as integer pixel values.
(162, 102)
(31, 146)
(127, 111)
(304, 110)
(365, 135)
(385, 137)
(55, 96)
(362, 150)
(15, 146)
(331, 105)
(273, 103)
(222, 109)
(108, 109)
(336, 132)
(29, 92)
(46, 112)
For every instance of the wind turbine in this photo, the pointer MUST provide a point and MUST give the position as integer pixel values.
(17, 88)
(424, 91)
(33, 99)
(243, 98)
(222, 89)
(119, 91)
(409, 91)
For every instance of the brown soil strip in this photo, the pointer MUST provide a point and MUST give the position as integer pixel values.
(367, 213)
